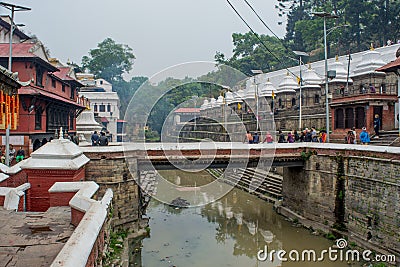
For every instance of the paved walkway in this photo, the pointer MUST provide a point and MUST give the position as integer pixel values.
(33, 239)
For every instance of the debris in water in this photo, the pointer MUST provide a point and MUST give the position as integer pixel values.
(180, 203)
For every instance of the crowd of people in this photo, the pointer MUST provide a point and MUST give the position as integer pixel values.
(18, 155)
(312, 135)
(307, 135)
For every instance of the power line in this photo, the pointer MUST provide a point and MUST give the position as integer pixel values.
(258, 38)
(262, 21)
(265, 24)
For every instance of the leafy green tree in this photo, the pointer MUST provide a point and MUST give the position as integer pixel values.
(249, 53)
(109, 60)
(126, 90)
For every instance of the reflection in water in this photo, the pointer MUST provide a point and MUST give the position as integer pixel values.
(228, 232)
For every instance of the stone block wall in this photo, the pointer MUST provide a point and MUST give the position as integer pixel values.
(373, 200)
(310, 192)
(370, 195)
(112, 172)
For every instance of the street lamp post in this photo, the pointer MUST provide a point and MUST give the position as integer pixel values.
(325, 16)
(257, 101)
(13, 8)
(300, 54)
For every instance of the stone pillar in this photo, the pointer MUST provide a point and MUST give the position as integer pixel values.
(58, 161)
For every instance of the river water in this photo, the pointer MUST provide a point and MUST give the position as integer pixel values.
(227, 232)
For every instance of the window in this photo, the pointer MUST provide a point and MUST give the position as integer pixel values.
(101, 82)
(39, 76)
(95, 108)
(53, 83)
(316, 99)
(102, 108)
(339, 119)
(108, 108)
(38, 119)
(349, 120)
(63, 87)
(293, 102)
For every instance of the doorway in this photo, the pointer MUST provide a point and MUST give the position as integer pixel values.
(378, 110)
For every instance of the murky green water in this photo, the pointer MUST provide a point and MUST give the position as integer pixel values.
(228, 232)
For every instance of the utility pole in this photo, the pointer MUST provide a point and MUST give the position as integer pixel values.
(12, 8)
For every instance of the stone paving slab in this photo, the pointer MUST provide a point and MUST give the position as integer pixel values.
(33, 239)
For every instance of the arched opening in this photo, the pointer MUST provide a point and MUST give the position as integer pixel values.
(293, 102)
(44, 141)
(36, 144)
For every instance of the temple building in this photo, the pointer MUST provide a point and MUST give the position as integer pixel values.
(357, 93)
(104, 102)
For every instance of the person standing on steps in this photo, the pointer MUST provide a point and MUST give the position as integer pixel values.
(377, 125)
(364, 137)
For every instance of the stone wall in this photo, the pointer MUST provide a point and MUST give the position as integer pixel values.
(111, 171)
(373, 200)
(370, 195)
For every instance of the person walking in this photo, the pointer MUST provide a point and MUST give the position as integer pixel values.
(103, 140)
(20, 154)
(364, 137)
(95, 138)
(377, 125)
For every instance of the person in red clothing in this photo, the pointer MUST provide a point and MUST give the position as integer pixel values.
(268, 138)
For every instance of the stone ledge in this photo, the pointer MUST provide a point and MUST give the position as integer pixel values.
(78, 248)
(12, 195)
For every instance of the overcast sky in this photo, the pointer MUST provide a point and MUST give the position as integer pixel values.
(161, 33)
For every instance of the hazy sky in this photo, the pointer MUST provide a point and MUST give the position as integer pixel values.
(161, 33)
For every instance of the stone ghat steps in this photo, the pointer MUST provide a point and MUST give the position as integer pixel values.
(386, 138)
(268, 184)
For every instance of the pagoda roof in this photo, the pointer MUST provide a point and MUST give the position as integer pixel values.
(288, 85)
(30, 90)
(392, 66)
(371, 60)
(33, 51)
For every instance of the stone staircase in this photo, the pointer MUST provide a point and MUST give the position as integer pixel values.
(148, 185)
(386, 138)
(270, 184)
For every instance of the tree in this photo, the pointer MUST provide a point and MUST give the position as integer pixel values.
(109, 60)
(249, 53)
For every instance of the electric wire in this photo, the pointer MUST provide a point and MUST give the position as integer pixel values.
(259, 39)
